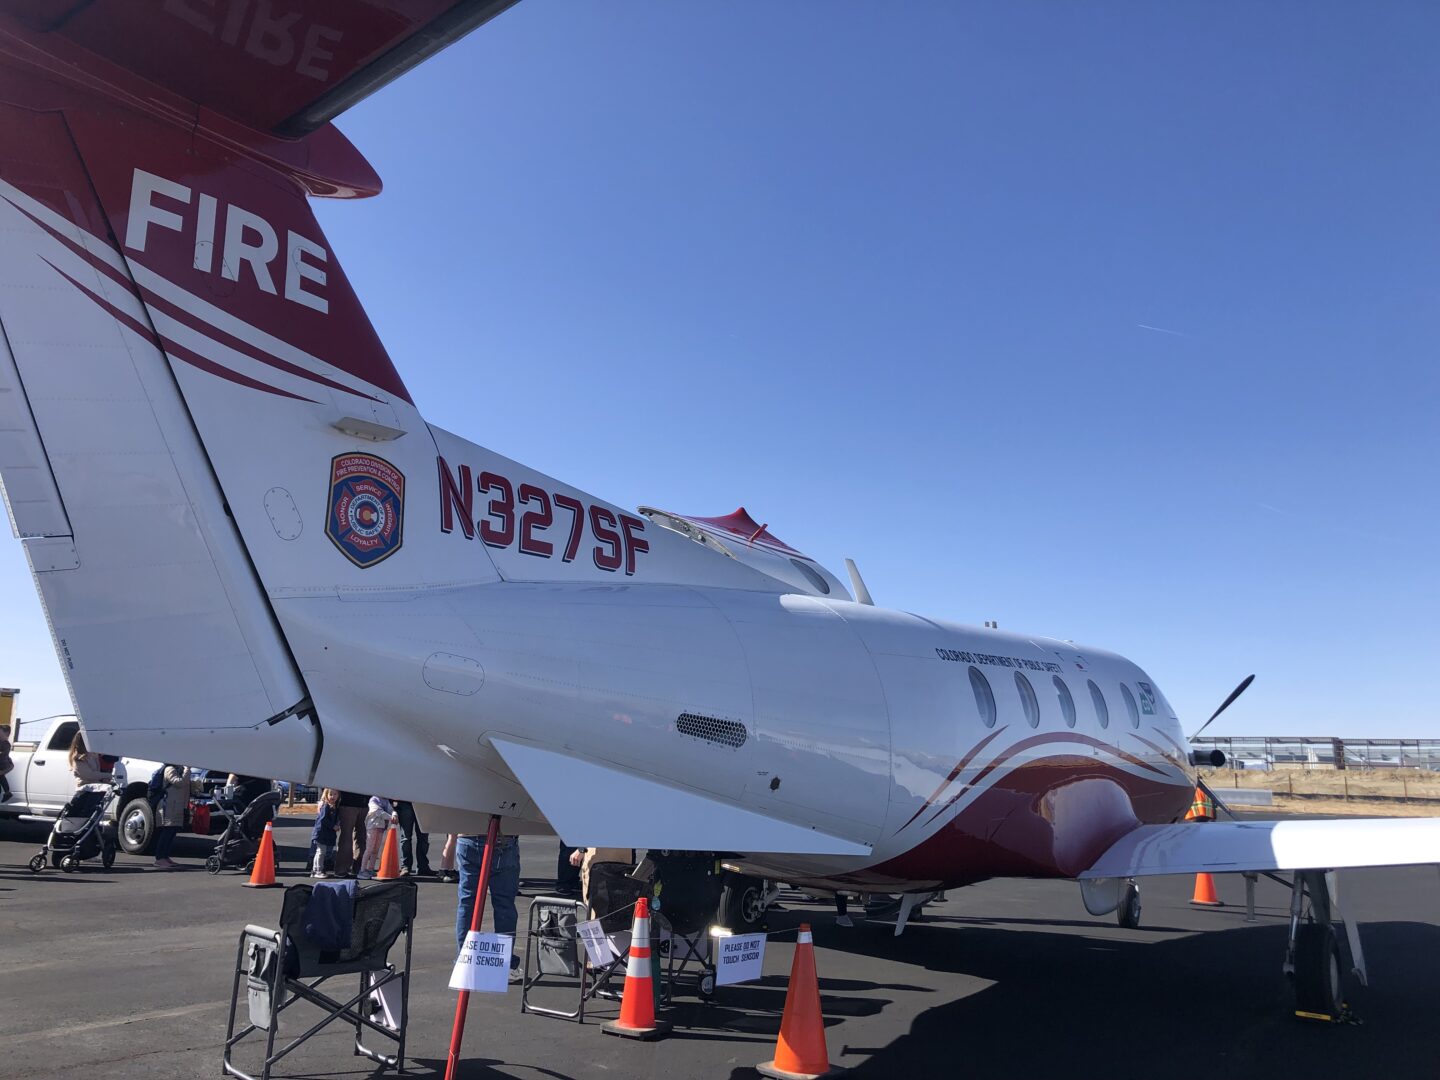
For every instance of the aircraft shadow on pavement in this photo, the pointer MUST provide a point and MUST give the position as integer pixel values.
(1210, 1005)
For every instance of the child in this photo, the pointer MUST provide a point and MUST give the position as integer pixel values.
(325, 832)
(377, 820)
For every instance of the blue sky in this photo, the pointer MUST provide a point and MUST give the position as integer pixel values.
(1115, 322)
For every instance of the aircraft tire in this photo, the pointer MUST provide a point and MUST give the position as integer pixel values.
(1319, 979)
(742, 906)
(1128, 913)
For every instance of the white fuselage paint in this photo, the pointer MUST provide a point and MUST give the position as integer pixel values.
(854, 720)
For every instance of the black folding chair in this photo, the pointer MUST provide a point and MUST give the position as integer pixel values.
(283, 966)
(687, 894)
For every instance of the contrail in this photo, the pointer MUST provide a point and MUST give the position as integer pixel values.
(1159, 329)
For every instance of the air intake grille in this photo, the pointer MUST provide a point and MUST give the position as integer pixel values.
(730, 733)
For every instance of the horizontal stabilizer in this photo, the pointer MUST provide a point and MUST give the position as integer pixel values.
(1231, 847)
(593, 805)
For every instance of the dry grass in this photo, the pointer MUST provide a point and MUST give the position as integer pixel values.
(1342, 808)
(1398, 784)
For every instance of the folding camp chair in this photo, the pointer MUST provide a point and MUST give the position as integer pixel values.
(283, 966)
(554, 945)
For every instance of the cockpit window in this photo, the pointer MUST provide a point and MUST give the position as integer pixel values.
(1130, 706)
(1028, 699)
(1067, 703)
(1102, 710)
(984, 696)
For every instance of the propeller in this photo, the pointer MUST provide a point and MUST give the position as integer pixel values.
(1244, 685)
(1219, 804)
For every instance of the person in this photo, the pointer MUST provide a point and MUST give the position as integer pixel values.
(567, 873)
(414, 844)
(504, 887)
(174, 802)
(7, 763)
(324, 833)
(377, 820)
(85, 764)
(842, 911)
(588, 859)
(597, 860)
(350, 845)
(447, 859)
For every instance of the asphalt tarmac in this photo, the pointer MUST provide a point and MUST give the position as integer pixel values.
(128, 973)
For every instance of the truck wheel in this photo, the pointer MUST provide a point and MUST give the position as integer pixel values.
(742, 902)
(136, 827)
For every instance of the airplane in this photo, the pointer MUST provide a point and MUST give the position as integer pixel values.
(255, 554)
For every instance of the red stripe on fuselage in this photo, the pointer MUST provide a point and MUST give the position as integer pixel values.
(1040, 740)
(956, 771)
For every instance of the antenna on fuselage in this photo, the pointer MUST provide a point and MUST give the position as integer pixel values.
(862, 594)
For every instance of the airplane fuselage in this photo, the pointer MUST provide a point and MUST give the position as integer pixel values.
(955, 753)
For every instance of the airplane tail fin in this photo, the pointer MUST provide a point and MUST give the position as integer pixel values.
(194, 409)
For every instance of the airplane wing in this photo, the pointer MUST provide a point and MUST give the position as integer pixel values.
(282, 68)
(1231, 847)
(594, 805)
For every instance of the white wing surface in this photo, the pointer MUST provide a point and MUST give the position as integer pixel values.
(589, 804)
(1229, 847)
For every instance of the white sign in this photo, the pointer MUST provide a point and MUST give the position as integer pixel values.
(740, 959)
(483, 963)
(597, 945)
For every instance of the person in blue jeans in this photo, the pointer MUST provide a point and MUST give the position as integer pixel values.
(504, 887)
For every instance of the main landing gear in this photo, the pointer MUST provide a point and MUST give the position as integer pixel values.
(1127, 914)
(1320, 961)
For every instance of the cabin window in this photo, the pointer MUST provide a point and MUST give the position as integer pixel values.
(1028, 700)
(819, 583)
(1130, 706)
(1067, 703)
(1102, 711)
(984, 696)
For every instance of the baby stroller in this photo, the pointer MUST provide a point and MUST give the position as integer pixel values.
(79, 833)
(240, 841)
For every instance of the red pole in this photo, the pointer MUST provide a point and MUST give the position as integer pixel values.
(457, 1033)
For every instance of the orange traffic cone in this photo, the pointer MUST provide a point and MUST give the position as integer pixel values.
(800, 1052)
(1202, 807)
(390, 856)
(637, 1004)
(262, 876)
(1205, 892)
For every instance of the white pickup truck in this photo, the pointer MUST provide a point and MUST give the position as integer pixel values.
(41, 783)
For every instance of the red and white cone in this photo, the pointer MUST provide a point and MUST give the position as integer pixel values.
(637, 1004)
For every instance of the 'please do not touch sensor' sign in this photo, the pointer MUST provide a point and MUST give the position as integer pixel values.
(483, 964)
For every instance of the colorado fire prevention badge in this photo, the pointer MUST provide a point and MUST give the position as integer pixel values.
(367, 508)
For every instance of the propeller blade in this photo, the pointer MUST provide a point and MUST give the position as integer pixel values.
(1244, 685)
